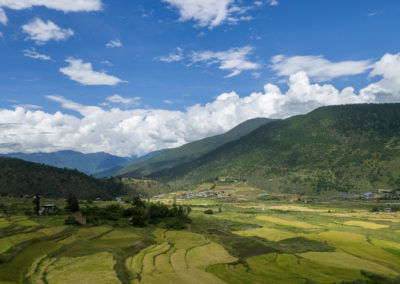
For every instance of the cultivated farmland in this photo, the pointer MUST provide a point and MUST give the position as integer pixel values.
(242, 242)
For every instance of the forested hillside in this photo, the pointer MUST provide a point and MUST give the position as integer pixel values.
(331, 149)
(18, 178)
(87, 163)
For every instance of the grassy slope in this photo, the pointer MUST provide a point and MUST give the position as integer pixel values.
(18, 177)
(186, 153)
(337, 148)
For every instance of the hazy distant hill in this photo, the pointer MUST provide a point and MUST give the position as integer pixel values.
(87, 163)
(130, 163)
(18, 177)
(335, 148)
(189, 152)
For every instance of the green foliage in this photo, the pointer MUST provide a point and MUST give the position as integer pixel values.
(137, 202)
(87, 163)
(72, 203)
(100, 215)
(374, 279)
(332, 149)
(175, 218)
(70, 220)
(18, 178)
(36, 204)
(140, 215)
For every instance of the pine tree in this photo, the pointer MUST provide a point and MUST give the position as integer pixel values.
(72, 203)
(36, 204)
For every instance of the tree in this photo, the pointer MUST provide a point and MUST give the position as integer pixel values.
(137, 202)
(36, 204)
(72, 203)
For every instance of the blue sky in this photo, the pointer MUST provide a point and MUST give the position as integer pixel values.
(129, 77)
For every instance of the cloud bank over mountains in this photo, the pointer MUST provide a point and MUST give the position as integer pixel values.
(138, 131)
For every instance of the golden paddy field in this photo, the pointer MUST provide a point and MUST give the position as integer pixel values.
(239, 243)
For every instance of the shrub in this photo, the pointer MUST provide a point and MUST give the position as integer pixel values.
(70, 221)
(140, 215)
(176, 223)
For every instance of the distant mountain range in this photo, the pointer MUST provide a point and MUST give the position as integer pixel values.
(331, 149)
(103, 165)
(86, 163)
(130, 163)
(170, 158)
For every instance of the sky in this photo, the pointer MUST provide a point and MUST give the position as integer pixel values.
(131, 77)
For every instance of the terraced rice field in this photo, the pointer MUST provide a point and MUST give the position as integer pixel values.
(94, 268)
(366, 225)
(283, 222)
(242, 244)
(282, 268)
(8, 242)
(296, 208)
(4, 223)
(86, 234)
(267, 233)
(180, 257)
(23, 220)
(359, 246)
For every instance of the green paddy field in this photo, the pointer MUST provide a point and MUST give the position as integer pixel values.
(247, 241)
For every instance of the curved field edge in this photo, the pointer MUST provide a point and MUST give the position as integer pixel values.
(180, 257)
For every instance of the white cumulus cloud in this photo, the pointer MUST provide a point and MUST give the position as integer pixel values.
(60, 5)
(209, 13)
(114, 43)
(389, 68)
(27, 106)
(173, 56)
(138, 131)
(317, 67)
(42, 32)
(234, 60)
(83, 73)
(32, 53)
(273, 2)
(3, 17)
(121, 100)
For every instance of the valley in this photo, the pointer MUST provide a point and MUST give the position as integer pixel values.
(244, 240)
(308, 199)
(199, 142)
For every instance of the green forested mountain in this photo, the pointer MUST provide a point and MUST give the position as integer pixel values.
(189, 152)
(88, 163)
(18, 177)
(335, 148)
